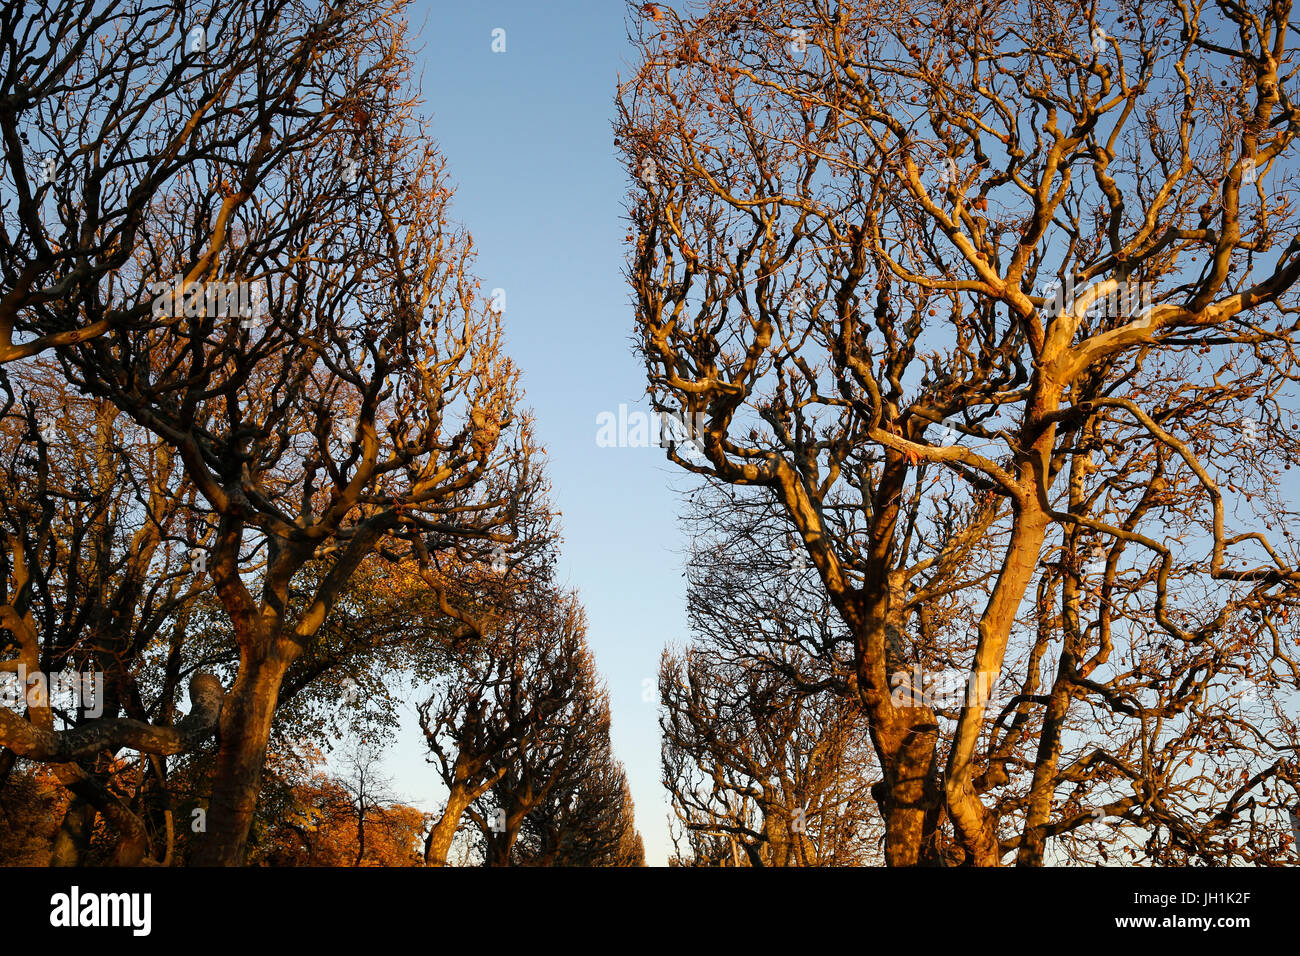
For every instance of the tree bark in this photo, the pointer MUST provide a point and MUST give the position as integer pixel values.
(245, 729)
(73, 838)
(438, 844)
(499, 845)
(1048, 758)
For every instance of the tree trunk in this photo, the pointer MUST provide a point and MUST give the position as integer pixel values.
(908, 795)
(973, 825)
(906, 737)
(245, 729)
(778, 839)
(1041, 791)
(1043, 788)
(498, 849)
(73, 838)
(499, 845)
(361, 835)
(438, 844)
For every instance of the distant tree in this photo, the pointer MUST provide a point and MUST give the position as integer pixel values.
(503, 710)
(754, 764)
(555, 678)
(587, 819)
(323, 819)
(368, 791)
(754, 602)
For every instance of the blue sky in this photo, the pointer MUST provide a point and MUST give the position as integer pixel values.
(528, 138)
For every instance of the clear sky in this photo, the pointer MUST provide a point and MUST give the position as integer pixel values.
(529, 142)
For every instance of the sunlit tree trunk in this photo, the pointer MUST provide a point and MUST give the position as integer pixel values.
(438, 844)
(245, 731)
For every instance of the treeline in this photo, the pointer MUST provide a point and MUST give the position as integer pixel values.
(260, 443)
(984, 317)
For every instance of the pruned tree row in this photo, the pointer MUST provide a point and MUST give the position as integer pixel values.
(259, 436)
(519, 733)
(992, 309)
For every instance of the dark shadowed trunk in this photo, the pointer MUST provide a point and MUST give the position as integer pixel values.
(73, 838)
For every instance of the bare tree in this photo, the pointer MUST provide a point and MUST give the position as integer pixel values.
(555, 678)
(117, 116)
(783, 775)
(587, 819)
(365, 409)
(500, 708)
(369, 790)
(873, 243)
